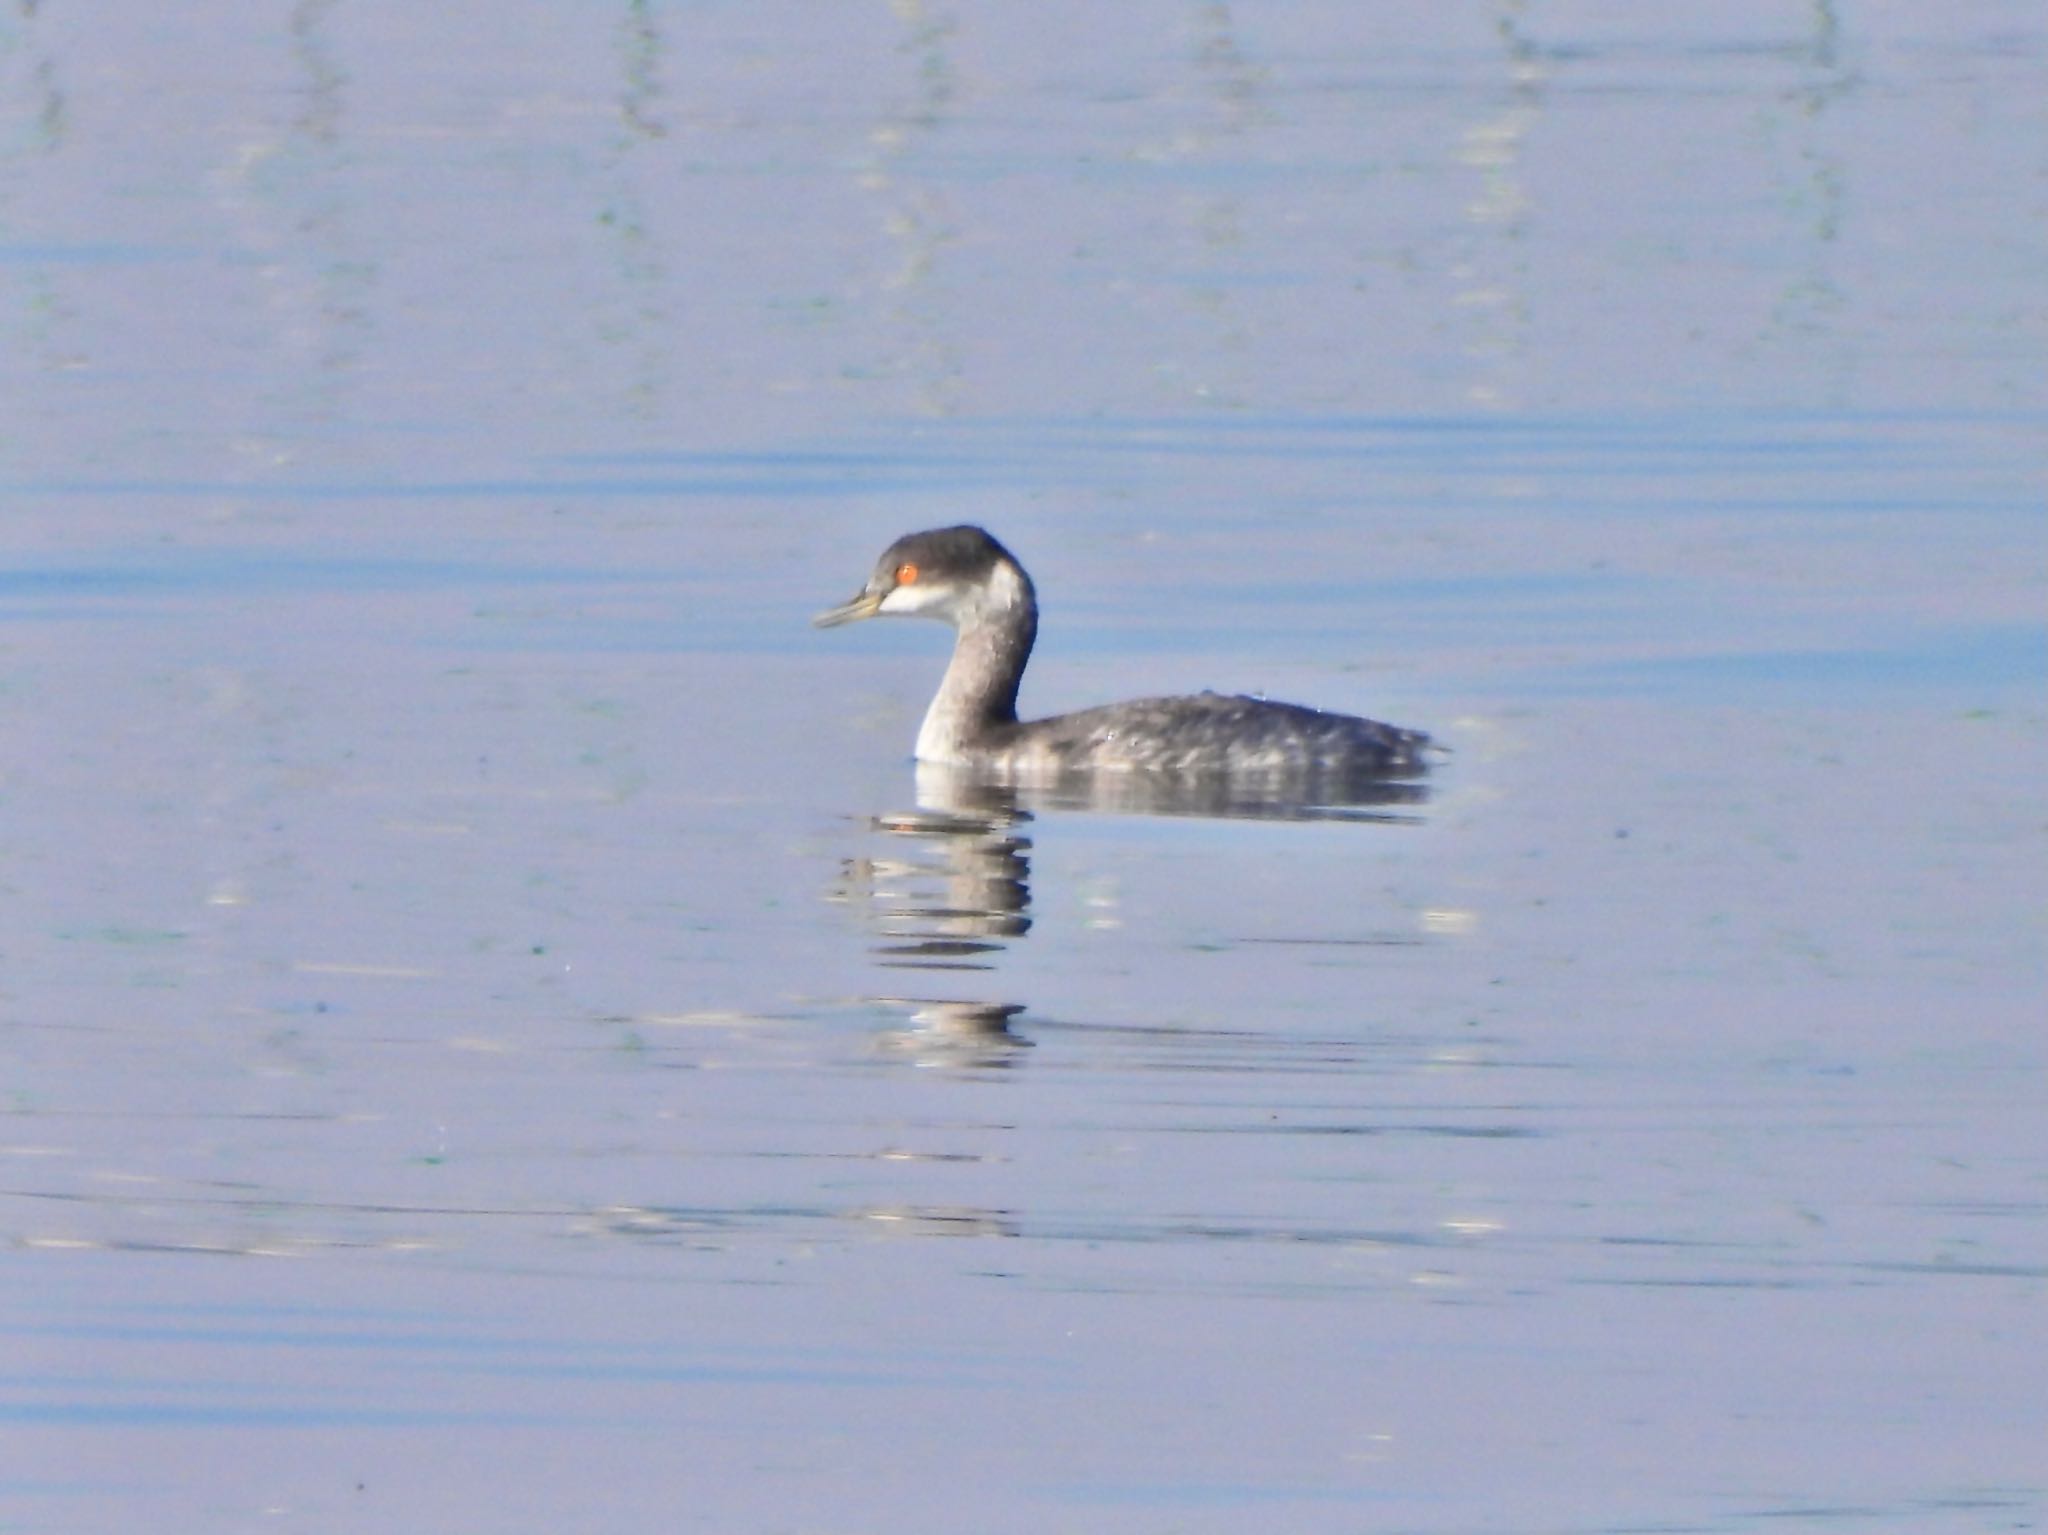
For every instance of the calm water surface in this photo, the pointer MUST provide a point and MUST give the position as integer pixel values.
(499, 1038)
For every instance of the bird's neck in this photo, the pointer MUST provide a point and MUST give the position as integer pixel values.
(979, 691)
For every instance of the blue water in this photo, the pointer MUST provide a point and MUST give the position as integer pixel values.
(499, 1038)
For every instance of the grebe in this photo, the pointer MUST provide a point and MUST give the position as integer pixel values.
(963, 576)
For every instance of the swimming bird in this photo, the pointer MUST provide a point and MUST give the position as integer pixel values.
(964, 577)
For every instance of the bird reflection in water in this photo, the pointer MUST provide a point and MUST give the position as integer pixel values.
(951, 892)
(1281, 796)
(954, 890)
(953, 1033)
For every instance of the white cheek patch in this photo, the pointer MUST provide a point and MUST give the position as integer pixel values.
(907, 601)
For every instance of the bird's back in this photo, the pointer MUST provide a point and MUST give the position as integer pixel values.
(1219, 734)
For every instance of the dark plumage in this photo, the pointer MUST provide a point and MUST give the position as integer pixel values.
(966, 578)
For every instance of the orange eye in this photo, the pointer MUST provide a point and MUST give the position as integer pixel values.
(906, 573)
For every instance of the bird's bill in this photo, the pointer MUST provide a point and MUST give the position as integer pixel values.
(866, 605)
